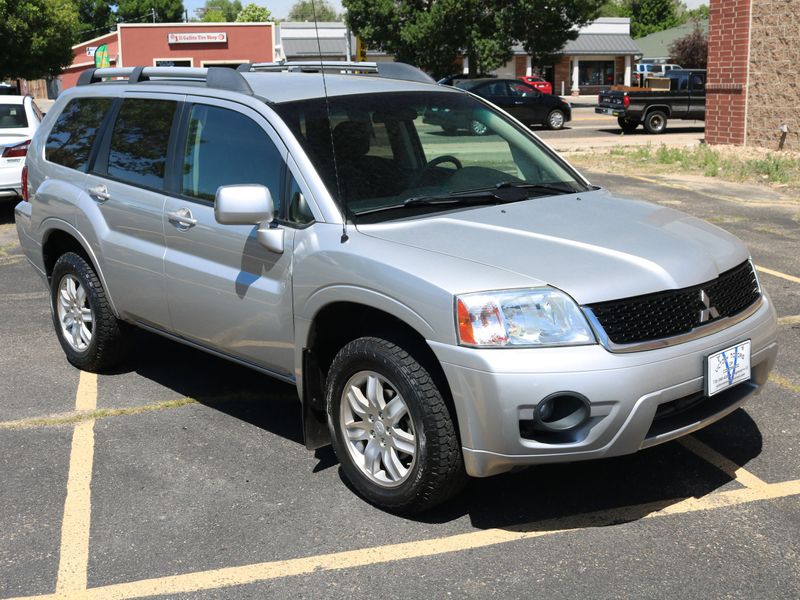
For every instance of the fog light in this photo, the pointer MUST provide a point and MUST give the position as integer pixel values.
(562, 411)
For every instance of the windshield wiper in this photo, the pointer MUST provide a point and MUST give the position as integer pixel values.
(544, 187)
(476, 196)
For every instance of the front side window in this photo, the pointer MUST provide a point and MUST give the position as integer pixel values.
(139, 141)
(70, 141)
(391, 150)
(224, 147)
(521, 90)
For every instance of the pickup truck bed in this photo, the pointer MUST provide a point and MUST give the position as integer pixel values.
(686, 99)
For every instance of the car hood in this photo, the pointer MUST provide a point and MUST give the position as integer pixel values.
(594, 246)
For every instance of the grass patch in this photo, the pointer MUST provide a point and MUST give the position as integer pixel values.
(728, 163)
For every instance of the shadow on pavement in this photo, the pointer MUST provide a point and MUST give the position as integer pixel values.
(550, 496)
(7, 211)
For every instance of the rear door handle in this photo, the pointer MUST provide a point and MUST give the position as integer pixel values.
(182, 218)
(99, 193)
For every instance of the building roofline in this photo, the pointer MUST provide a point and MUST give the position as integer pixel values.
(99, 37)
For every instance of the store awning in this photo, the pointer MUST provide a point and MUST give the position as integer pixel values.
(602, 43)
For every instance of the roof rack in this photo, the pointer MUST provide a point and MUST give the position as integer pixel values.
(389, 70)
(221, 78)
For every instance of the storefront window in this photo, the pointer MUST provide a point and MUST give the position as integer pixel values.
(596, 72)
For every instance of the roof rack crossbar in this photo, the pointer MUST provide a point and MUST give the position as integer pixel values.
(214, 77)
(390, 70)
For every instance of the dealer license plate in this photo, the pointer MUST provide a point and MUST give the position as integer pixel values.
(607, 111)
(727, 367)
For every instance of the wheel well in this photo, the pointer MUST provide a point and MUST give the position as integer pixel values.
(664, 109)
(342, 322)
(58, 243)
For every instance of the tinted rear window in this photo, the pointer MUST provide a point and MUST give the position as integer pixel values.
(12, 116)
(138, 152)
(70, 141)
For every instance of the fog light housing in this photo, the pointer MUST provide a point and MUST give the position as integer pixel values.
(562, 411)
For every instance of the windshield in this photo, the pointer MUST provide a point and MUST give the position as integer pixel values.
(396, 147)
(12, 116)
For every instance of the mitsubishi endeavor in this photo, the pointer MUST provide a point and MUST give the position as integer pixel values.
(446, 306)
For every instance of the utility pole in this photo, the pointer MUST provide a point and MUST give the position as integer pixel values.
(153, 12)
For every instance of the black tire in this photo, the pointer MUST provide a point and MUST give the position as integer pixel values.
(449, 129)
(437, 471)
(627, 124)
(555, 119)
(655, 122)
(107, 346)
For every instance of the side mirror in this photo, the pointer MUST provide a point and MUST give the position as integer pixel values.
(243, 205)
(249, 205)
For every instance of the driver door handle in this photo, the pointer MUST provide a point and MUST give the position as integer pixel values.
(99, 193)
(182, 218)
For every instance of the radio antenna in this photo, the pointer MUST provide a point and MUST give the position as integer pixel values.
(343, 208)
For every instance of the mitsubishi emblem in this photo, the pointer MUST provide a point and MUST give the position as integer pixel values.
(709, 312)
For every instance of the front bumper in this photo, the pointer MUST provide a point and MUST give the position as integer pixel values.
(496, 390)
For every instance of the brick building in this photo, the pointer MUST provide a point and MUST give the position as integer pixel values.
(176, 44)
(753, 88)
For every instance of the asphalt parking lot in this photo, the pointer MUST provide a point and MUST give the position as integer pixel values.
(183, 476)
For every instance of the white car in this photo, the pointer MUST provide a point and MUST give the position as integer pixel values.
(19, 120)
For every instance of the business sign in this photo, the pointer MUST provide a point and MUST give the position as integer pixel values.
(90, 50)
(204, 37)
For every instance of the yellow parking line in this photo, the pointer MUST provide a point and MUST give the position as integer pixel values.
(790, 320)
(86, 398)
(74, 556)
(723, 463)
(778, 274)
(266, 571)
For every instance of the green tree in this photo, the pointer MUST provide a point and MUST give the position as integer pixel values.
(220, 11)
(253, 13)
(36, 37)
(431, 34)
(696, 14)
(691, 51)
(96, 18)
(649, 16)
(304, 10)
(139, 11)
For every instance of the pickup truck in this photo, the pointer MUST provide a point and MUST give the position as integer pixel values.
(685, 99)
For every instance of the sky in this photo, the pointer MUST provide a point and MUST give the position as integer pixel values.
(279, 8)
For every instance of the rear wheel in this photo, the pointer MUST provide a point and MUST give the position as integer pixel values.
(627, 124)
(89, 332)
(555, 120)
(655, 122)
(391, 428)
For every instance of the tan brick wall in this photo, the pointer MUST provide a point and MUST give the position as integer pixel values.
(729, 22)
(774, 89)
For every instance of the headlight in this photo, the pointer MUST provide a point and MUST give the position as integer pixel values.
(533, 317)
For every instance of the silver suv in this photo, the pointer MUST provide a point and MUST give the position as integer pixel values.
(445, 305)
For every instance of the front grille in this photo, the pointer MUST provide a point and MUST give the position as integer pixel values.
(674, 312)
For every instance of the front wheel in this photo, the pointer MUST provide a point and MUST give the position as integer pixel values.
(655, 122)
(555, 120)
(89, 332)
(391, 428)
(478, 128)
